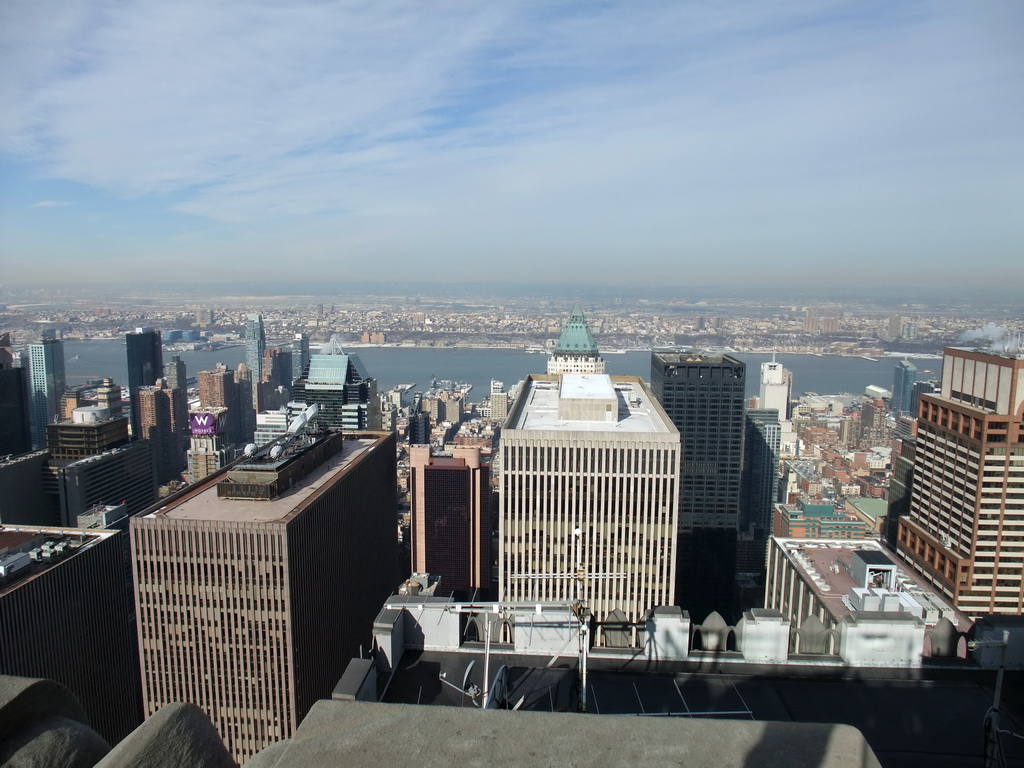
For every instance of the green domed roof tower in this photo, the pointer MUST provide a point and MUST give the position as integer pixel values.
(576, 350)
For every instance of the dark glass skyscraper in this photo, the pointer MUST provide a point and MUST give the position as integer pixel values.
(903, 381)
(14, 434)
(760, 484)
(338, 383)
(47, 385)
(704, 396)
(145, 366)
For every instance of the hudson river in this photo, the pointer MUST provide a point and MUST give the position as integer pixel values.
(831, 374)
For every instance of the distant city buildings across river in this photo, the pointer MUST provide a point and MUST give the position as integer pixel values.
(828, 374)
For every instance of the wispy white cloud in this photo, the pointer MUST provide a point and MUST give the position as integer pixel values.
(577, 132)
(50, 204)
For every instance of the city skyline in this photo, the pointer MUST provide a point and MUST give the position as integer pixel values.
(687, 142)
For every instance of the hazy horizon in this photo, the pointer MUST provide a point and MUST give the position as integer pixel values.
(805, 148)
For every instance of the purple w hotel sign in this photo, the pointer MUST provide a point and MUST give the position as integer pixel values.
(203, 423)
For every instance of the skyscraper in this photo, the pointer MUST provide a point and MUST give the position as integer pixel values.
(217, 389)
(125, 473)
(90, 431)
(451, 531)
(875, 427)
(965, 529)
(290, 556)
(339, 384)
(300, 355)
(163, 420)
(245, 385)
(704, 395)
(46, 372)
(208, 450)
(576, 350)
(15, 436)
(903, 380)
(499, 400)
(65, 615)
(592, 454)
(776, 390)
(177, 377)
(760, 480)
(255, 346)
(108, 395)
(145, 366)
(276, 385)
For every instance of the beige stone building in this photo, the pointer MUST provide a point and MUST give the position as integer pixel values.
(594, 454)
(255, 586)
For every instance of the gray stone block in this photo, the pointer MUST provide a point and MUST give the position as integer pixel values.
(177, 736)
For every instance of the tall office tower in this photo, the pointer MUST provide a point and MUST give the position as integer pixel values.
(90, 431)
(123, 474)
(704, 394)
(300, 355)
(298, 552)
(900, 485)
(108, 395)
(145, 366)
(499, 400)
(875, 428)
(909, 331)
(245, 386)
(217, 389)
(418, 431)
(163, 420)
(46, 374)
(208, 449)
(903, 380)
(23, 498)
(204, 317)
(177, 377)
(451, 519)
(339, 384)
(776, 390)
(255, 346)
(760, 479)
(276, 386)
(593, 453)
(576, 350)
(965, 530)
(15, 436)
(65, 615)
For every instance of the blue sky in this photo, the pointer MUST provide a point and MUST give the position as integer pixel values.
(643, 143)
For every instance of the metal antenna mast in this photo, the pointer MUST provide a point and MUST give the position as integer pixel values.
(579, 606)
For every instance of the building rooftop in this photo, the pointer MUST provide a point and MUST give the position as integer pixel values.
(203, 503)
(542, 405)
(828, 565)
(873, 508)
(28, 551)
(679, 357)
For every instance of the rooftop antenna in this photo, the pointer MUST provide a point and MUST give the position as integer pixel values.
(579, 606)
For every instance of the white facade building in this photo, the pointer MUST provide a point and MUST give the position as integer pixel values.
(594, 454)
(776, 383)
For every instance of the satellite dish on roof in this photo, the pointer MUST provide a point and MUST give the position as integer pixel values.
(250, 449)
(276, 451)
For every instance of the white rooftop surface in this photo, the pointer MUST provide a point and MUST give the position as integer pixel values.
(540, 406)
(587, 386)
(206, 505)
